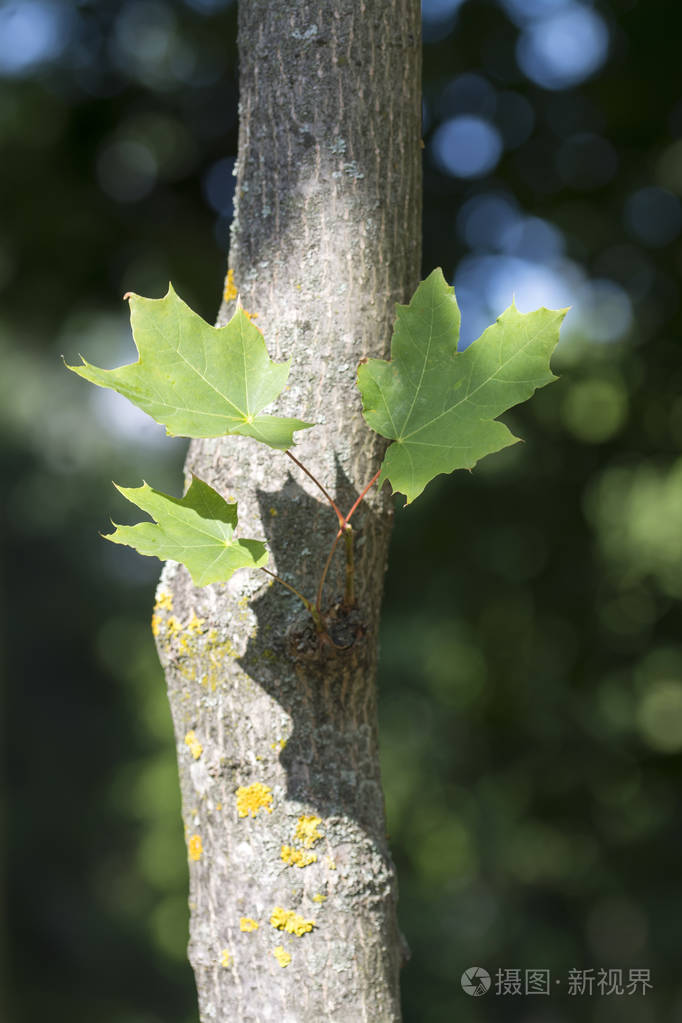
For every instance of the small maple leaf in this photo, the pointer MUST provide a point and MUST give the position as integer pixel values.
(197, 529)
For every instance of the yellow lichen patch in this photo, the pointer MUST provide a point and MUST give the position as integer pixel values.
(199, 651)
(282, 957)
(173, 627)
(195, 747)
(297, 857)
(251, 316)
(196, 847)
(290, 921)
(305, 835)
(274, 513)
(195, 624)
(186, 644)
(306, 831)
(182, 635)
(252, 798)
(217, 652)
(225, 959)
(230, 292)
(164, 602)
(319, 898)
(188, 671)
(280, 744)
(246, 924)
(329, 860)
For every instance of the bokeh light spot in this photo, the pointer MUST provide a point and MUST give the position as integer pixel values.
(604, 310)
(147, 46)
(637, 515)
(539, 853)
(654, 216)
(171, 144)
(467, 94)
(123, 419)
(595, 410)
(484, 220)
(533, 239)
(454, 668)
(486, 284)
(669, 170)
(523, 11)
(466, 147)
(144, 30)
(563, 49)
(31, 32)
(659, 716)
(438, 18)
(127, 170)
(443, 849)
(169, 924)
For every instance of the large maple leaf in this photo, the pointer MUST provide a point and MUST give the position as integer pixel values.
(199, 380)
(440, 406)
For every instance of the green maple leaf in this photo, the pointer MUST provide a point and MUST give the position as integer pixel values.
(196, 529)
(438, 405)
(198, 380)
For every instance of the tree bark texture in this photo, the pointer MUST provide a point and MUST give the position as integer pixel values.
(292, 889)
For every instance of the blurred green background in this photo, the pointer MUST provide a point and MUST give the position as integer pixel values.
(531, 667)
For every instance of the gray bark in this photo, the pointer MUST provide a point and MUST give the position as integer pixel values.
(325, 241)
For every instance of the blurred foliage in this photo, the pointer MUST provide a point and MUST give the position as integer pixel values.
(531, 672)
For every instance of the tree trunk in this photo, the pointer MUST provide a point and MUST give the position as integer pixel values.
(325, 240)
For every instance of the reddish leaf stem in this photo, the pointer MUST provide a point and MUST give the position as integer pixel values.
(344, 528)
(317, 484)
(371, 483)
